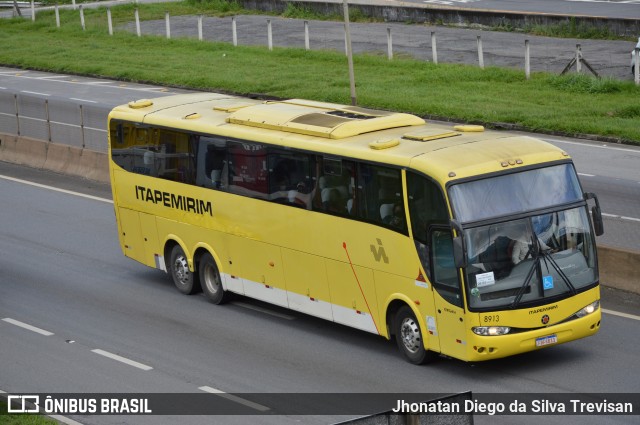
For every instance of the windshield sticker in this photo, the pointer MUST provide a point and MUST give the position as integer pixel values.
(485, 279)
(547, 282)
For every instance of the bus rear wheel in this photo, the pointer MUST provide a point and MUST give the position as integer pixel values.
(211, 281)
(183, 278)
(409, 337)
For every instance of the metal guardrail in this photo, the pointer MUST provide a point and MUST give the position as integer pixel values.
(21, 4)
(53, 119)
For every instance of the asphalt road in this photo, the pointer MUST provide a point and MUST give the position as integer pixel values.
(62, 271)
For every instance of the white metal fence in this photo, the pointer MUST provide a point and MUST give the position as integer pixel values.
(443, 44)
(57, 120)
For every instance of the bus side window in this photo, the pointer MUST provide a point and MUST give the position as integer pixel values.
(445, 273)
(380, 197)
(248, 174)
(291, 177)
(335, 186)
(174, 158)
(211, 163)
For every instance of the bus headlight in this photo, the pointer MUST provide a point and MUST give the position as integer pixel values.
(588, 309)
(491, 330)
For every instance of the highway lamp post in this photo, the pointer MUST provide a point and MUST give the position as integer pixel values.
(527, 60)
(352, 83)
(389, 44)
(57, 13)
(109, 21)
(200, 27)
(33, 11)
(137, 17)
(636, 67)
(480, 53)
(306, 35)
(269, 35)
(82, 18)
(167, 24)
(234, 31)
(434, 48)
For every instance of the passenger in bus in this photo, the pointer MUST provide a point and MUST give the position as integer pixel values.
(300, 197)
(396, 218)
(333, 201)
(521, 248)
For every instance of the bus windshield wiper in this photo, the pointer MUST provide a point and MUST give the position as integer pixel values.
(530, 273)
(547, 256)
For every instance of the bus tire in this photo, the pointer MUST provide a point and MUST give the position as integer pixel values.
(409, 337)
(211, 281)
(183, 278)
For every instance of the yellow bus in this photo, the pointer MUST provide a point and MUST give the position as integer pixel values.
(451, 240)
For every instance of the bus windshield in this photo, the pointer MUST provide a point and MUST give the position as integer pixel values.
(529, 260)
(513, 193)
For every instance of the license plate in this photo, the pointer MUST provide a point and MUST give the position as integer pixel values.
(546, 340)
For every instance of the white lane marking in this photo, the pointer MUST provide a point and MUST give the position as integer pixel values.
(586, 175)
(263, 310)
(3, 88)
(27, 326)
(64, 420)
(621, 217)
(122, 359)
(239, 400)
(116, 84)
(34, 92)
(55, 189)
(589, 145)
(620, 314)
(52, 76)
(82, 100)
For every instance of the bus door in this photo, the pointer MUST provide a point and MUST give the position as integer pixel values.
(450, 317)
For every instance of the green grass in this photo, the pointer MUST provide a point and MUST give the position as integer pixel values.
(23, 418)
(572, 104)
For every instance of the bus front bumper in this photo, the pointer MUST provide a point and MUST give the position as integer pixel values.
(481, 348)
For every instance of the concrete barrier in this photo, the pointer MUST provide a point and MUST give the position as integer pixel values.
(55, 157)
(619, 268)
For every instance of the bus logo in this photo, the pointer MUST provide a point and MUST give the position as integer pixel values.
(545, 319)
(379, 253)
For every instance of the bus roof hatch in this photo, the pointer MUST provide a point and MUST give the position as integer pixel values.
(320, 119)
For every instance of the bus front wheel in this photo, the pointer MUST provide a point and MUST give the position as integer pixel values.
(409, 337)
(211, 281)
(183, 278)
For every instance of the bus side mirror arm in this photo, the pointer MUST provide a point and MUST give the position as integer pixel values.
(596, 214)
(459, 251)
